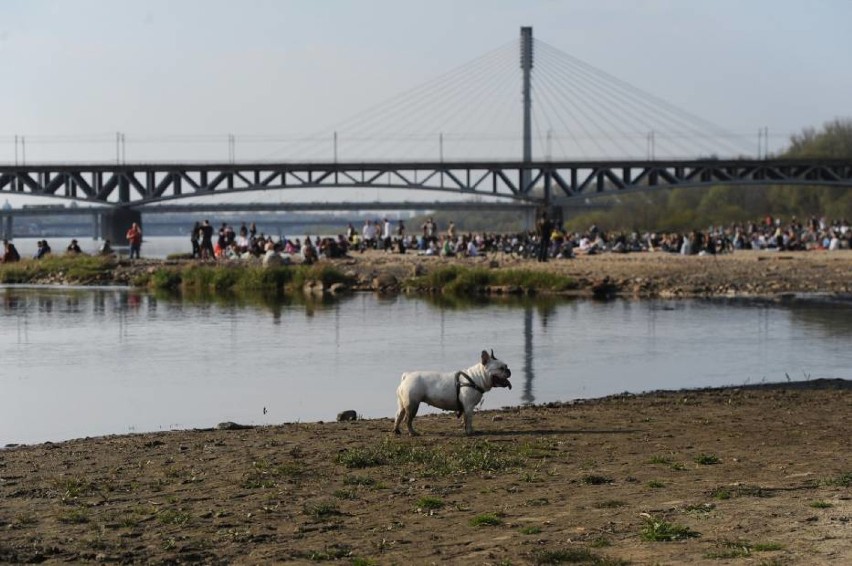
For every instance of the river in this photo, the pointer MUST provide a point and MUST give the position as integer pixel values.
(78, 362)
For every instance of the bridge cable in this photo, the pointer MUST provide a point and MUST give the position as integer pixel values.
(404, 101)
(640, 95)
(582, 107)
(540, 104)
(607, 93)
(599, 96)
(458, 105)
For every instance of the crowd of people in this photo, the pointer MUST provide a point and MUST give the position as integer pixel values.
(550, 241)
(43, 249)
(546, 241)
(247, 242)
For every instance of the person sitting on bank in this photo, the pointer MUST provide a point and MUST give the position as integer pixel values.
(106, 248)
(10, 252)
(309, 252)
(73, 248)
(42, 250)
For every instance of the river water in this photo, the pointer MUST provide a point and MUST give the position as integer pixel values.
(90, 362)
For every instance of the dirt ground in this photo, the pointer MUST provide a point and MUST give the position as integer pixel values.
(747, 475)
(758, 475)
(742, 274)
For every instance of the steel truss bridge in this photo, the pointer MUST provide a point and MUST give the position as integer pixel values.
(175, 187)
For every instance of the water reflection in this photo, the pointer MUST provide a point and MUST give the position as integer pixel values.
(200, 360)
(528, 396)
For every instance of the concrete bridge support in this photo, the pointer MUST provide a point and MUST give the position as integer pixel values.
(7, 224)
(113, 224)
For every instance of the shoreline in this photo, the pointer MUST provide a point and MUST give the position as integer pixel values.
(745, 274)
(821, 383)
(641, 275)
(757, 471)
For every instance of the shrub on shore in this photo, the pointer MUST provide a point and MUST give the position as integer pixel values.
(459, 280)
(239, 278)
(81, 269)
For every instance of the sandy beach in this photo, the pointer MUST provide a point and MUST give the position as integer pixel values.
(710, 476)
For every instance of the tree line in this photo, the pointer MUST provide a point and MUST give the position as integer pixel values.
(686, 209)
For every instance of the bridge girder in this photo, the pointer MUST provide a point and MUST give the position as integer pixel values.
(134, 186)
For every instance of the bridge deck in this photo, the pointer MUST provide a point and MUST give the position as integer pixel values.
(143, 185)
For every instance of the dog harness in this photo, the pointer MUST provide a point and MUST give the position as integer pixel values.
(467, 383)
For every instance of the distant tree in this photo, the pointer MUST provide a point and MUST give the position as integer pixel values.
(834, 141)
(686, 209)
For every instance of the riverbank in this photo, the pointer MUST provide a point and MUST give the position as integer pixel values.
(649, 275)
(669, 477)
(642, 275)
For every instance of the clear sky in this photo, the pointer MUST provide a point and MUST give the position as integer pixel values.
(161, 68)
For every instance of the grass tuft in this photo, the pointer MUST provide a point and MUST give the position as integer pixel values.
(486, 520)
(74, 516)
(73, 269)
(741, 549)
(320, 510)
(728, 492)
(610, 504)
(596, 480)
(707, 459)
(330, 553)
(173, 517)
(429, 502)
(571, 556)
(459, 280)
(359, 480)
(478, 456)
(843, 480)
(658, 530)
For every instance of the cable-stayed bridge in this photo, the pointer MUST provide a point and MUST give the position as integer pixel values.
(480, 135)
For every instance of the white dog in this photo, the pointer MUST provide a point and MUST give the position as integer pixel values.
(458, 391)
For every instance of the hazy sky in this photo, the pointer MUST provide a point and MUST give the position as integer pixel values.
(251, 67)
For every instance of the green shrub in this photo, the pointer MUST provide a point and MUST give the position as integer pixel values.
(165, 280)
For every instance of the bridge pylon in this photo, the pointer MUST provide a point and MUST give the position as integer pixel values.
(526, 66)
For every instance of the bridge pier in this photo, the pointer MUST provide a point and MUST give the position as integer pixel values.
(96, 226)
(113, 225)
(7, 227)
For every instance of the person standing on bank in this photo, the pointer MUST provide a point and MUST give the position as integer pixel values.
(545, 228)
(195, 240)
(134, 237)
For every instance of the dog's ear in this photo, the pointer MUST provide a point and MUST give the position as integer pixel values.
(492, 354)
(485, 357)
